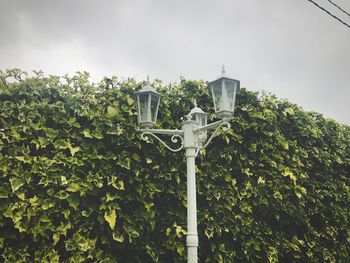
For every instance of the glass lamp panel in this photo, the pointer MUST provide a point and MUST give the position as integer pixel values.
(154, 107)
(216, 89)
(201, 119)
(144, 108)
(230, 86)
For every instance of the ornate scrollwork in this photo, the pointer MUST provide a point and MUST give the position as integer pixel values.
(225, 125)
(174, 139)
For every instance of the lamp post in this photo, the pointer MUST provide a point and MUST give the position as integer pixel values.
(192, 136)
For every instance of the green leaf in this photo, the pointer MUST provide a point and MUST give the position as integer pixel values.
(119, 185)
(87, 133)
(16, 183)
(4, 191)
(51, 133)
(34, 201)
(97, 134)
(73, 201)
(111, 218)
(300, 191)
(62, 194)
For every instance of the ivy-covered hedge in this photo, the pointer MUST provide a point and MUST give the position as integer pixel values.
(77, 183)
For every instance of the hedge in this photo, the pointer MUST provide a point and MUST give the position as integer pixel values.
(77, 183)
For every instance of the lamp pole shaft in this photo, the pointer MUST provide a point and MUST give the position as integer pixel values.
(190, 147)
(192, 236)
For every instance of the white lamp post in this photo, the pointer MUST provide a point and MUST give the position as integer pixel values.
(192, 137)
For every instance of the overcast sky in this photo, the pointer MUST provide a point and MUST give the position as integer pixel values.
(287, 47)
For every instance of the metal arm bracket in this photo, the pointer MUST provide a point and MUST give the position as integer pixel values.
(224, 124)
(177, 135)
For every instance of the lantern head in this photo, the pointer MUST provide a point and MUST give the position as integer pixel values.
(201, 118)
(148, 100)
(223, 91)
(199, 115)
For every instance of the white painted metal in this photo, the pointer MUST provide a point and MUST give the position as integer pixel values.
(192, 140)
(162, 131)
(192, 235)
(175, 139)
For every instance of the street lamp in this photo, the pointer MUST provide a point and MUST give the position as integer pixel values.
(147, 104)
(224, 90)
(192, 136)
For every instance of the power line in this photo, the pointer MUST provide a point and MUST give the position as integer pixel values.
(329, 13)
(337, 6)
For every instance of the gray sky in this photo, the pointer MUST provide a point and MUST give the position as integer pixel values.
(289, 48)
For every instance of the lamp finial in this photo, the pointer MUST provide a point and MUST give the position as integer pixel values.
(223, 70)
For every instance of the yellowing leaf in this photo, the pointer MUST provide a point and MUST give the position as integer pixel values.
(66, 213)
(74, 150)
(285, 145)
(278, 195)
(293, 178)
(148, 160)
(20, 158)
(233, 182)
(73, 187)
(110, 197)
(261, 180)
(180, 231)
(288, 111)
(117, 238)
(130, 100)
(33, 201)
(111, 112)
(64, 180)
(247, 172)
(168, 231)
(21, 196)
(56, 238)
(180, 250)
(300, 191)
(149, 205)
(120, 185)
(111, 218)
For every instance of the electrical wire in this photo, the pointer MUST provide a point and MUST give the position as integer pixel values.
(337, 6)
(329, 13)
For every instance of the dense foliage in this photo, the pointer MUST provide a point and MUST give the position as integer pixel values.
(77, 183)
